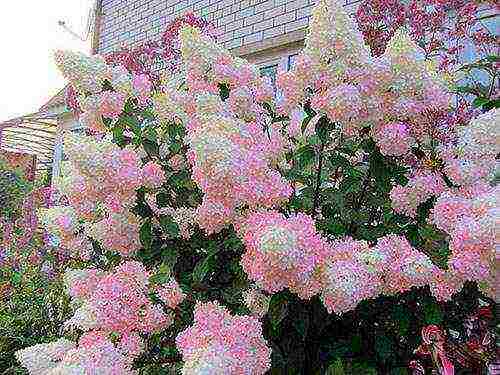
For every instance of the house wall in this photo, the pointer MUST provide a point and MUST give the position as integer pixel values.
(260, 30)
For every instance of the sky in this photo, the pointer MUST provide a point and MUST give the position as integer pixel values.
(29, 33)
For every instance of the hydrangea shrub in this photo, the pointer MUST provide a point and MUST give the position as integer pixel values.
(216, 230)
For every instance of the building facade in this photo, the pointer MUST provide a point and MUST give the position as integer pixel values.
(265, 32)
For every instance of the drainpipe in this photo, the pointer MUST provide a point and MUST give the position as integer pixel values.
(97, 27)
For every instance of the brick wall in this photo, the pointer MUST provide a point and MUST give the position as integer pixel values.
(242, 25)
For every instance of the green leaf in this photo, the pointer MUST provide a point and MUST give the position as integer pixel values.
(169, 226)
(362, 368)
(169, 256)
(383, 347)
(491, 104)
(479, 102)
(323, 129)
(278, 309)
(401, 317)
(145, 234)
(465, 90)
(356, 344)
(162, 199)
(433, 314)
(301, 321)
(175, 147)
(304, 124)
(16, 278)
(150, 147)
(223, 91)
(338, 160)
(127, 121)
(492, 58)
(118, 136)
(162, 275)
(305, 156)
(203, 267)
(336, 368)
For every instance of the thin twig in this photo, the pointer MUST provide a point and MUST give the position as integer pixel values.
(318, 180)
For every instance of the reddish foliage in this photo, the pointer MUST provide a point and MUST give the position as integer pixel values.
(441, 27)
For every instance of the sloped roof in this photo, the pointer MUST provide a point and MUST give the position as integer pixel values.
(33, 134)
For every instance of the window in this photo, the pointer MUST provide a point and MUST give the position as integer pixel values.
(291, 60)
(270, 71)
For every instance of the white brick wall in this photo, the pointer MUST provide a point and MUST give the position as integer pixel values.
(239, 22)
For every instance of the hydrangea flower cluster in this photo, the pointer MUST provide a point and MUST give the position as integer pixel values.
(391, 94)
(89, 95)
(468, 216)
(40, 359)
(282, 252)
(85, 73)
(354, 271)
(473, 156)
(288, 253)
(393, 139)
(421, 186)
(116, 301)
(345, 278)
(100, 187)
(94, 354)
(230, 157)
(220, 343)
(171, 293)
(230, 166)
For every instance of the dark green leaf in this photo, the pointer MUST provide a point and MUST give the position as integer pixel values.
(169, 226)
(433, 314)
(383, 347)
(145, 234)
(223, 91)
(203, 267)
(169, 256)
(278, 309)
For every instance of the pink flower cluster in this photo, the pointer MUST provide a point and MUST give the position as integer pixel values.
(115, 301)
(473, 157)
(392, 94)
(282, 252)
(171, 293)
(393, 139)
(101, 173)
(421, 186)
(230, 166)
(117, 232)
(288, 253)
(87, 95)
(355, 271)
(101, 188)
(230, 157)
(469, 217)
(220, 343)
(153, 175)
(94, 354)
